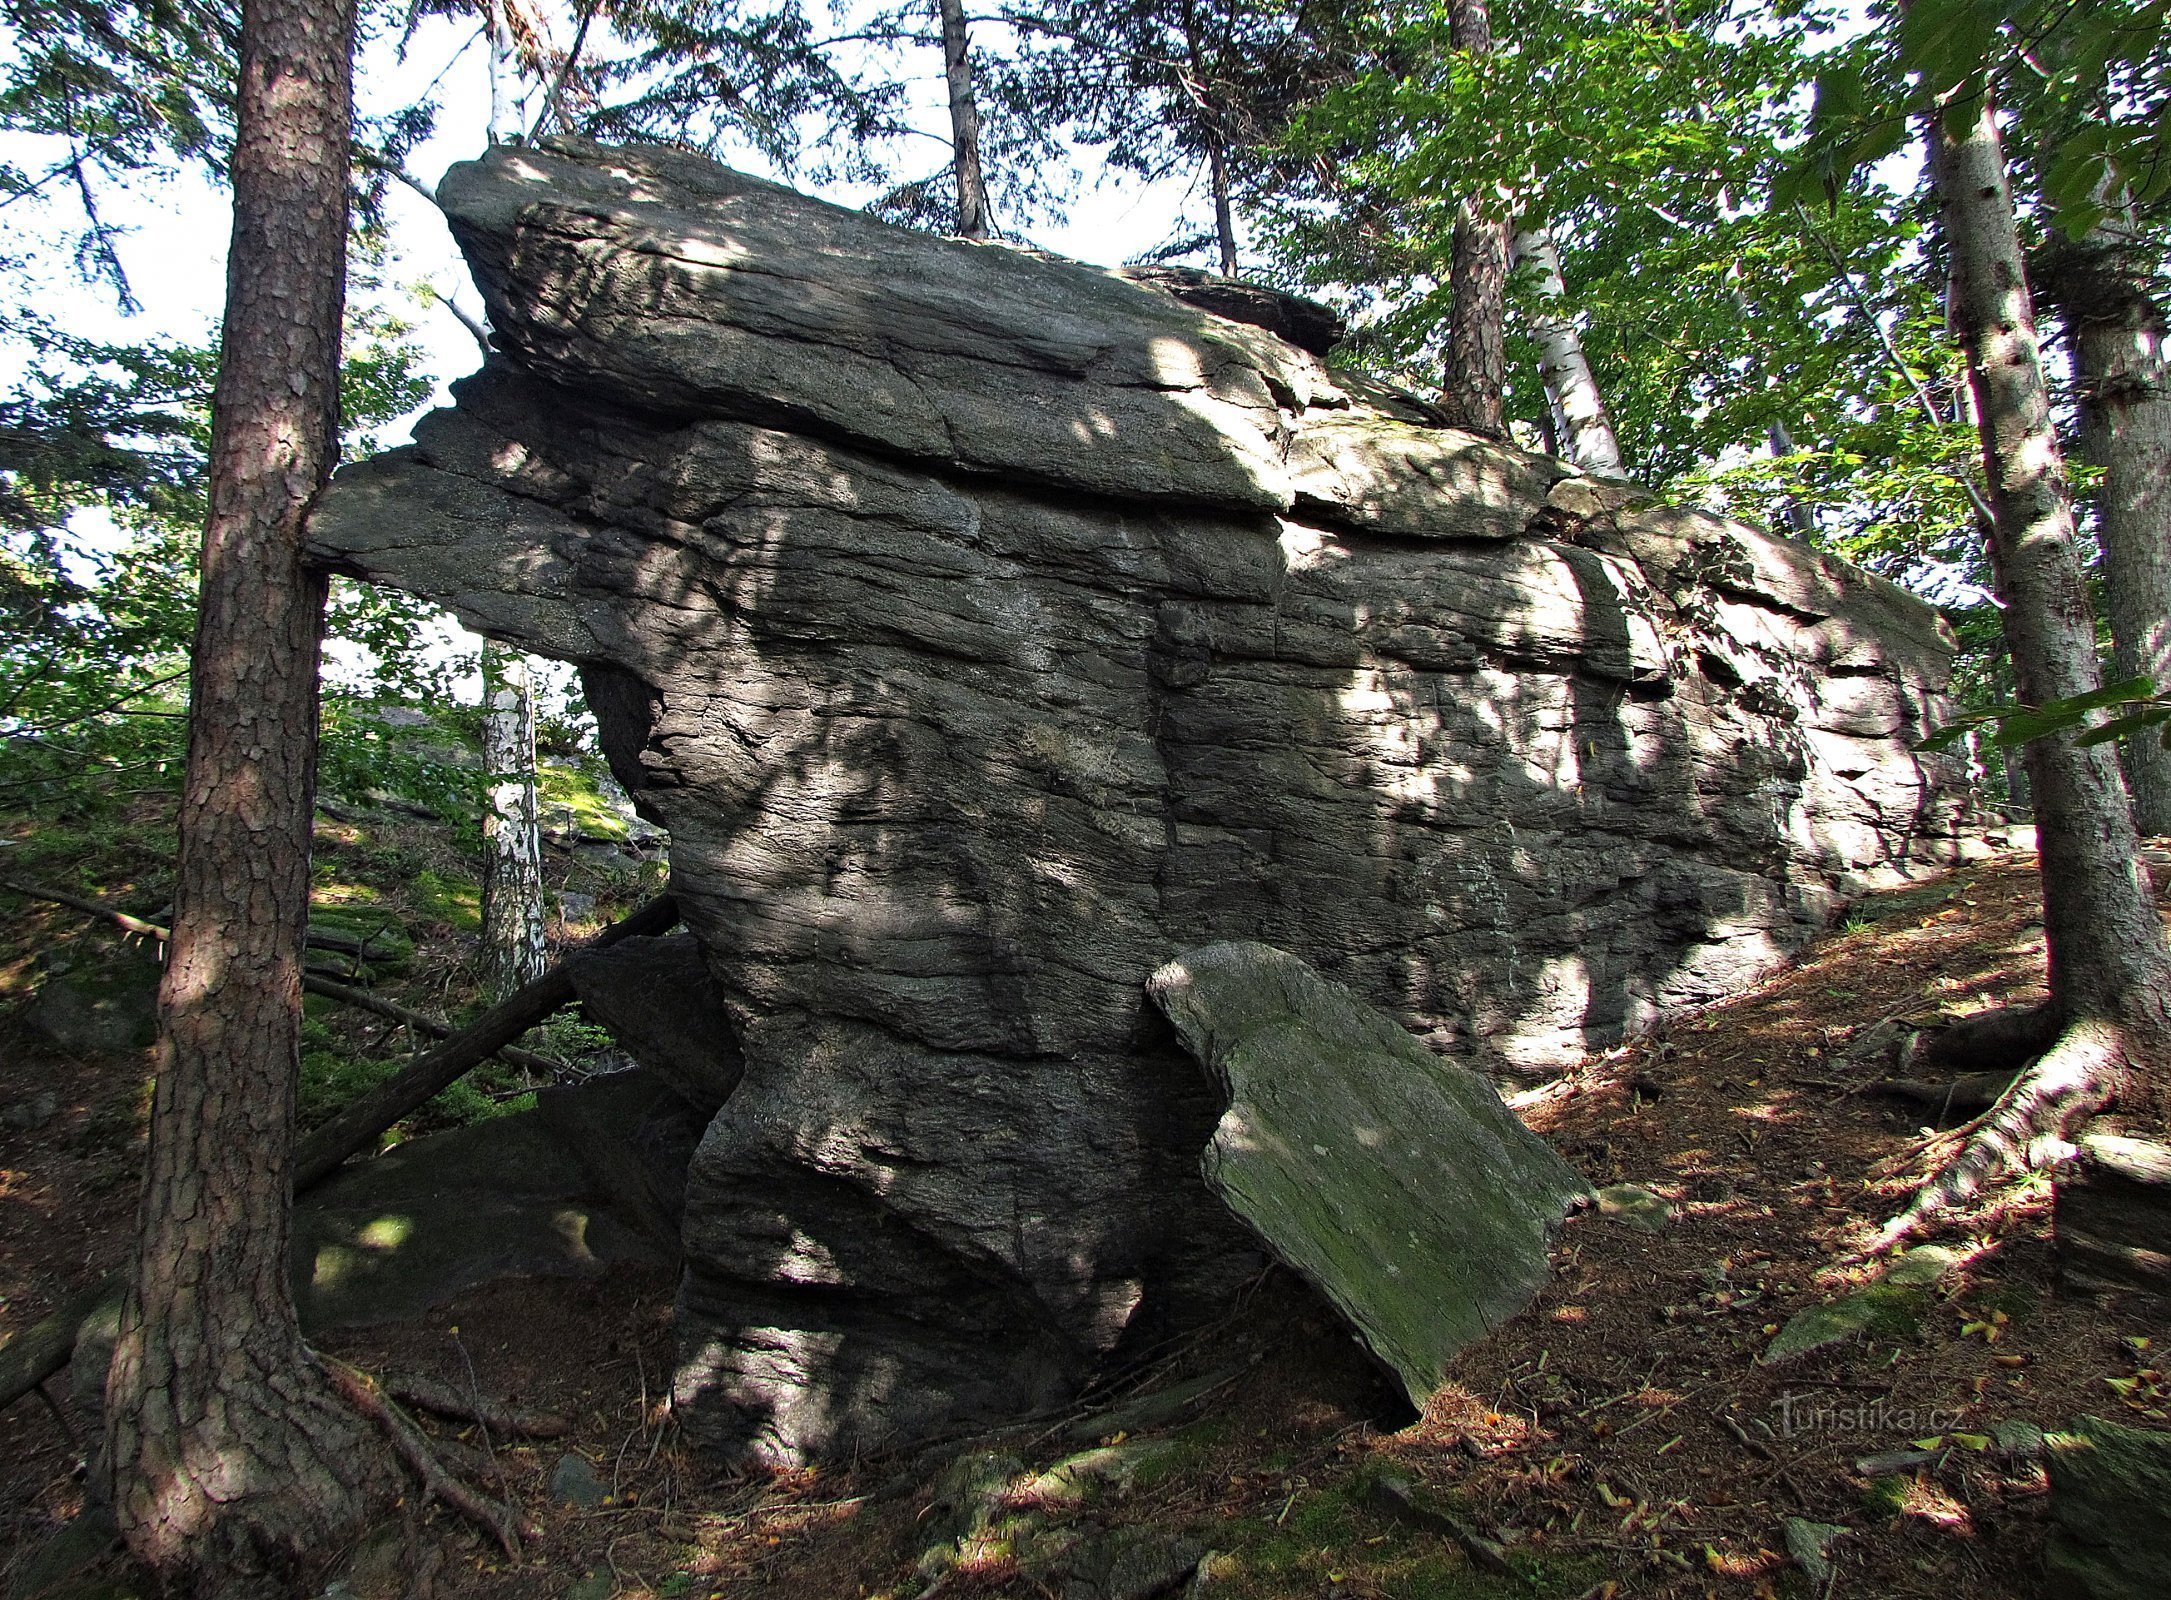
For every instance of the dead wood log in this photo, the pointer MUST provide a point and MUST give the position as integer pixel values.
(436, 1069)
(38, 1352)
(428, 1026)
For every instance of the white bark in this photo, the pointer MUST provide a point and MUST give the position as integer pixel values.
(512, 879)
(504, 72)
(1562, 364)
(972, 200)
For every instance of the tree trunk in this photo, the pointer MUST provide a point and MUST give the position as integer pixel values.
(236, 1468)
(972, 200)
(2110, 976)
(2116, 330)
(504, 128)
(1562, 365)
(1217, 172)
(512, 866)
(1477, 356)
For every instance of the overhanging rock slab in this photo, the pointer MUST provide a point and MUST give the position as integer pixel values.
(1394, 1181)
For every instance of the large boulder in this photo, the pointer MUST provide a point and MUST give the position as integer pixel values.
(986, 629)
(1397, 1183)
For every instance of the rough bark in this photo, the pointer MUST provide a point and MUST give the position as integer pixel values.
(972, 199)
(1562, 364)
(512, 867)
(2116, 332)
(1477, 353)
(2110, 977)
(236, 1466)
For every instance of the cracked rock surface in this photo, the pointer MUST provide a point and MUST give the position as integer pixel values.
(987, 629)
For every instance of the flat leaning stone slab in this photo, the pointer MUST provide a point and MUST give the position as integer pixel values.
(1395, 1181)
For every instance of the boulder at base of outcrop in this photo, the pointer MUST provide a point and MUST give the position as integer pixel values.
(1396, 1182)
(658, 1001)
(2110, 1493)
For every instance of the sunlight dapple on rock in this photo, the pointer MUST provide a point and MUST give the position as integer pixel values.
(986, 629)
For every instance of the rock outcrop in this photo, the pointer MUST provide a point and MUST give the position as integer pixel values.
(986, 630)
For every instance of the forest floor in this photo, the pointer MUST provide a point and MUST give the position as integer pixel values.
(1619, 1438)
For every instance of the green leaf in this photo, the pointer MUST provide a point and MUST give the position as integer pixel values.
(2126, 727)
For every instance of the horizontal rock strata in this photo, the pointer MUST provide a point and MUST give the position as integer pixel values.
(987, 629)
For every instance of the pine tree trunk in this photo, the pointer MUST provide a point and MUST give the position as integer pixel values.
(512, 873)
(1562, 365)
(1474, 387)
(2116, 330)
(235, 1468)
(972, 200)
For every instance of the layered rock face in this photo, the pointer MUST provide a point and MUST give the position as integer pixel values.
(985, 630)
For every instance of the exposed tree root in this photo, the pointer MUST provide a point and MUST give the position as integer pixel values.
(1962, 1096)
(2001, 1040)
(2026, 1129)
(503, 1523)
(446, 1401)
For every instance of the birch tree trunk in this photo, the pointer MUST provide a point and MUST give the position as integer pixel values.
(972, 200)
(2110, 976)
(1562, 365)
(1475, 384)
(504, 75)
(512, 880)
(237, 1471)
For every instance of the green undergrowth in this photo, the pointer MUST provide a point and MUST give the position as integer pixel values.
(395, 905)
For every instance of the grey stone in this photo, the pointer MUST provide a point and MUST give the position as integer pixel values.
(982, 629)
(2110, 1498)
(1635, 1207)
(1131, 1564)
(1882, 1310)
(104, 1003)
(33, 1111)
(573, 1482)
(1809, 1543)
(574, 906)
(1920, 1267)
(531, 1194)
(660, 1004)
(1398, 1183)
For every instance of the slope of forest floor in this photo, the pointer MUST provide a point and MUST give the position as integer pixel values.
(1619, 1438)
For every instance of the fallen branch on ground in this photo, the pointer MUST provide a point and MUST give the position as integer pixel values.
(360, 999)
(429, 1074)
(29, 1359)
(446, 1401)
